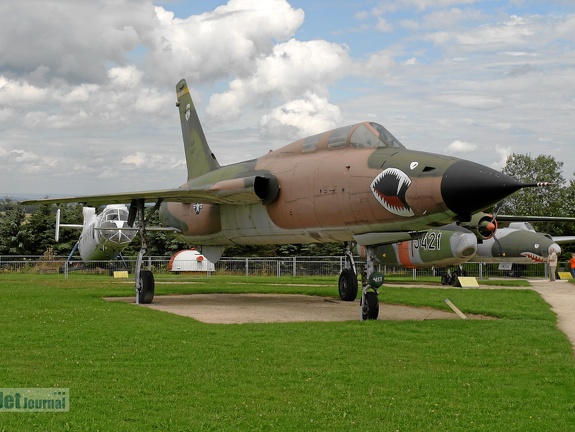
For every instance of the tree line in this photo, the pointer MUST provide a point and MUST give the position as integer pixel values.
(30, 230)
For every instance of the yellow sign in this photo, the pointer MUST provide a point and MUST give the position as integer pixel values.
(466, 282)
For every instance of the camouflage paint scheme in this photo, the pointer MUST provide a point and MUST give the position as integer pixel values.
(448, 246)
(517, 243)
(355, 183)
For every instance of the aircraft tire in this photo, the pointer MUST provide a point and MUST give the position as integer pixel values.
(146, 293)
(370, 310)
(347, 285)
(445, 279)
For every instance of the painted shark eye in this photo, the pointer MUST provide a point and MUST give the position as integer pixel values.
(390, 188)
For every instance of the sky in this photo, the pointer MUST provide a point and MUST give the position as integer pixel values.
(87, 89)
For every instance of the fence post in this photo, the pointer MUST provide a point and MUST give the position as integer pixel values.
(247, 267)
(294, 268)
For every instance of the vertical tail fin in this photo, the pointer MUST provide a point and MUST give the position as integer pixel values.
(199, 157)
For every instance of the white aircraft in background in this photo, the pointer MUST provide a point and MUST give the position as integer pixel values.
(104, 235)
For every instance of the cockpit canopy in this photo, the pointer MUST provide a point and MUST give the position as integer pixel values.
(361, 135)
(114, 225)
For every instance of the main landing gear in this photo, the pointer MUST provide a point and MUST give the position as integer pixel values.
(450, 277)
(370, 283)
(145, 285)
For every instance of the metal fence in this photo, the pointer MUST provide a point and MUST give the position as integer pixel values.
(274, 266)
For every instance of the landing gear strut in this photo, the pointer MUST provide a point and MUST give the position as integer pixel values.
(370, 283)
(450, 277)
(347, 285)
(145, 285)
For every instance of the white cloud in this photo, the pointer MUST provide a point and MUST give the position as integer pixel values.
(503, 153)
(127, 77)
(76, 43)
(460, 147)
(138, 159)
(90, 85)
(147, 161)
(383, 25)
(14, 92)
(292, 69)
(469, 100)
(515, 31)
(223, 42)
(385, 6)
(378, 64)
(299, 118)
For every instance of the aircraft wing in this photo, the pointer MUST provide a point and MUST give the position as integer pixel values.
(513, 218)
(564, 239)
(244, 190)
(380, 238)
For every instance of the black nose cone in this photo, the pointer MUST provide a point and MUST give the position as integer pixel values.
(468, 187)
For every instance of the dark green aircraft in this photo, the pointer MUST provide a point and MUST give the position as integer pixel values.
(482, 240)
(355, 184)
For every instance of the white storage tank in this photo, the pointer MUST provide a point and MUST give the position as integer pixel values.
(190, 261)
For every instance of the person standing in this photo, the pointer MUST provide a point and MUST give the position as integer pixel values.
(552, 263)
(572, 264)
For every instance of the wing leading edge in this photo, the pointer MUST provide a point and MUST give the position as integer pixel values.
(239, 191)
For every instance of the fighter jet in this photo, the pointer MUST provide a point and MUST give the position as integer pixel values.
(354, 184)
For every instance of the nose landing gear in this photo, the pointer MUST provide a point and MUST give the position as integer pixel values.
(370, 283)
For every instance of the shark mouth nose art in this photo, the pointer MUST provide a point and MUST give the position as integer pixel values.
(389, 188)
(533, 257)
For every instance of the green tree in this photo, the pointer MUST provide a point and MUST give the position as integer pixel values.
(556, 200)
(40, 229)
(537, 201)
(12, 234)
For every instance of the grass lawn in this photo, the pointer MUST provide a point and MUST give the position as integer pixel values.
(136, 369)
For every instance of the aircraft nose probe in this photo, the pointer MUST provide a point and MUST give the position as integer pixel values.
(468, 187)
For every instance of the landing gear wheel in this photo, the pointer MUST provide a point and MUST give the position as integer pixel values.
(370, 309)
(446, 279)
(147, 285)
(347, 285)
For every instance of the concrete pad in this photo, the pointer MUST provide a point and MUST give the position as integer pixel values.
(265, 308)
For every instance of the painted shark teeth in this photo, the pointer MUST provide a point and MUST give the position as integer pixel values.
(390, 188)
(533, 257)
